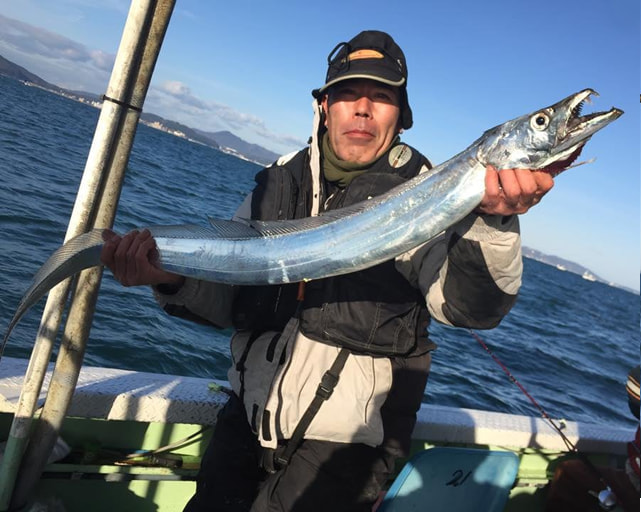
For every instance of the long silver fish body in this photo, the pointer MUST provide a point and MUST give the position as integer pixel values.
(338, 242)
(353, 238)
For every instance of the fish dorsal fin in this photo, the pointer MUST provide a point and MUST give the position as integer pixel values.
(273, 228)
(243, 229)
(233, 229)
(218, 228)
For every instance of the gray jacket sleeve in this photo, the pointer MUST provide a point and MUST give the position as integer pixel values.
(202, 301)
(470, 274)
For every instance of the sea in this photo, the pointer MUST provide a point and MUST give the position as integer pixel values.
(568, 341)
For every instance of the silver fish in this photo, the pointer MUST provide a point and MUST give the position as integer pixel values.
(358, 236)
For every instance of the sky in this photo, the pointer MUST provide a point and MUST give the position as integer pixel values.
(249, 66)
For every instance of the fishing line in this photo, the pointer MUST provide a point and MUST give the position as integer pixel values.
(544, 414)
(605, 498)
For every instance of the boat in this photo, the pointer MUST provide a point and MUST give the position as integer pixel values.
(135, 440)
(109, 439)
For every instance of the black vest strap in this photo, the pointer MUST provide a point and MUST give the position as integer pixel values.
(323, 392)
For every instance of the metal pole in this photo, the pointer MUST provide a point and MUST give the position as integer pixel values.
(95, 206)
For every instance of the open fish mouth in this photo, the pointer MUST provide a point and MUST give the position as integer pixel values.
(579, 127)
(576, 129)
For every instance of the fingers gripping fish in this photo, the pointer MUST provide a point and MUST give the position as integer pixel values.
(356, 237)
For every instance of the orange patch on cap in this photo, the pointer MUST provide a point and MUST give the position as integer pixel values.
(365, 54)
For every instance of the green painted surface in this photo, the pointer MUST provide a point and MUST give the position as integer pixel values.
(94, 477)
(97, 496)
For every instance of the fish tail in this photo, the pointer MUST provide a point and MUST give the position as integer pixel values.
(76, 254)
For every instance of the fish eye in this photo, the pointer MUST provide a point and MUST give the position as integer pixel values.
(539, 121)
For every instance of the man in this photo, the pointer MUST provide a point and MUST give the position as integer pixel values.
(327, 378)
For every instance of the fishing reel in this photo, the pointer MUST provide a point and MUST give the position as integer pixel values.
(607, 499)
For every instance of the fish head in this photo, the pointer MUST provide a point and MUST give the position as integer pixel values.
(549, 139)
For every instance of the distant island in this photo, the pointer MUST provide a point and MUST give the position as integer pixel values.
(562, 264)
(570, 266)
(224, 141)
(229, 143)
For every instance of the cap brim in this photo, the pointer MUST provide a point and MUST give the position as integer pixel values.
(398, 83)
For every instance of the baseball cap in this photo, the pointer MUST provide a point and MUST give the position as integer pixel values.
(373, 55)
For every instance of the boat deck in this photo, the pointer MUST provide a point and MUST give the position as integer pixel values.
(113, 394)
(116, 412)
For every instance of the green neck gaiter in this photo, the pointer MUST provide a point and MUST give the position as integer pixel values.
(337, 171)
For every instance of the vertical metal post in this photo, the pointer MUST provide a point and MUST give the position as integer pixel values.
(95, 206)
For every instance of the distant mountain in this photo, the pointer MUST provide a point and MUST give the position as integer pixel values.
(563, 264)
(570, 266)
(252, 151)
(224, 141)
(12, 70)
(176, 128)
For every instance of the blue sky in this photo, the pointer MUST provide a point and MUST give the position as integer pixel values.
(249, 66)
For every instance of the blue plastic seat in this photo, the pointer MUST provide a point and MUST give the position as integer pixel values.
(453, 480)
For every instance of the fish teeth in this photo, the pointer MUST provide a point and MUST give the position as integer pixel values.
(576, 111)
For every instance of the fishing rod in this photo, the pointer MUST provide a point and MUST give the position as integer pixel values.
(607, 498)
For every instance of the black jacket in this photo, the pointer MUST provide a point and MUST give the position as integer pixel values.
(375, 311)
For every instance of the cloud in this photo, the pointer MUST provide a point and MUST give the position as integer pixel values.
(183, 93)
(102, 60)
(177, 98)
(72, 65)
(30, 39)
(54, 57)
(175, 88)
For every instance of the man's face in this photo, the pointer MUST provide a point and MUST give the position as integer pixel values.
(362, 119)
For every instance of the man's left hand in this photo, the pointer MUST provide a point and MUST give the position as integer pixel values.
(513, 191)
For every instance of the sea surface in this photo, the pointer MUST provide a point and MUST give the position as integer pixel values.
(568, 341)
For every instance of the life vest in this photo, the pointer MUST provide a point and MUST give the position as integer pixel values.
(374, 311)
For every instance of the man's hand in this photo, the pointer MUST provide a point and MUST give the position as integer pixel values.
(513, 191)
(131, 258)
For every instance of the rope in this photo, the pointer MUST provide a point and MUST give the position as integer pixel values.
(168, 447)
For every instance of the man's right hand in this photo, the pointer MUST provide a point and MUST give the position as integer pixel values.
(133, 259)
